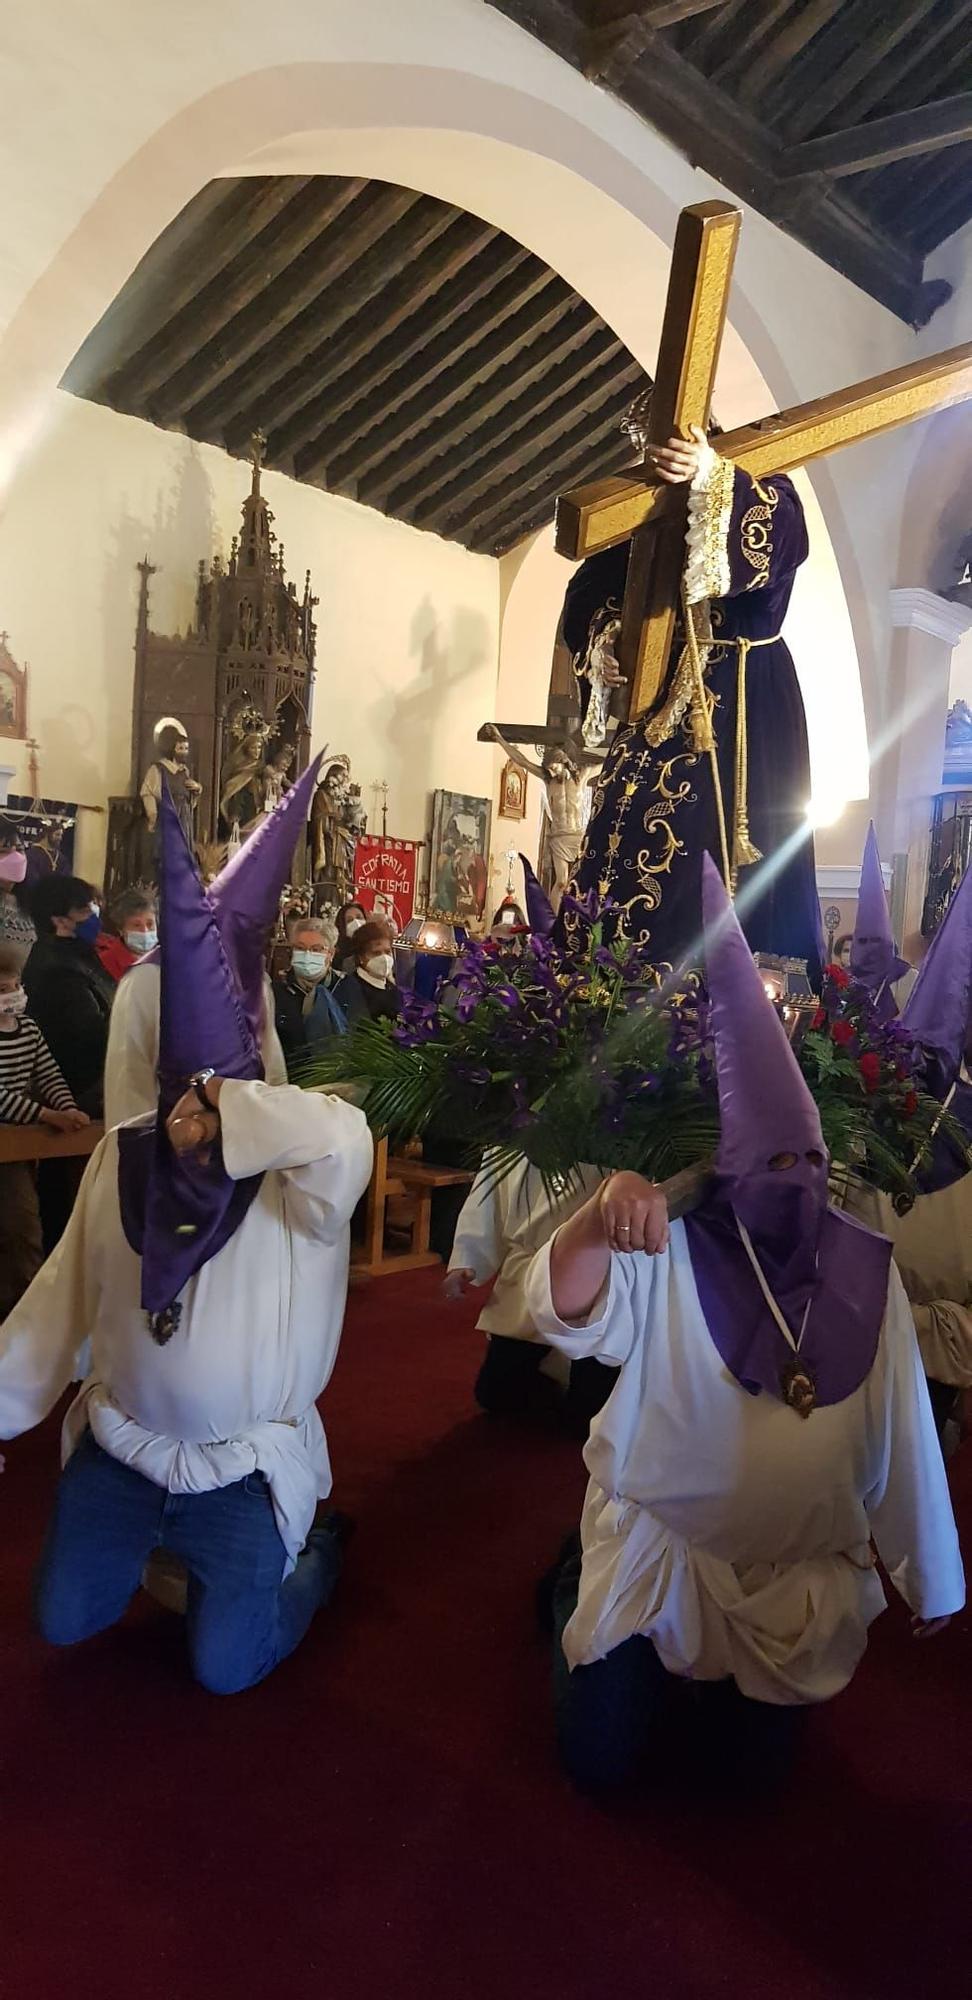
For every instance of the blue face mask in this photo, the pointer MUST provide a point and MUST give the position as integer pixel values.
(90, 929)
(139, 941)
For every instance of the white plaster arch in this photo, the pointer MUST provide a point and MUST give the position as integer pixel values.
(577, 198)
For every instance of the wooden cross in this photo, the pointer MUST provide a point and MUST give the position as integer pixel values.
(610, 510)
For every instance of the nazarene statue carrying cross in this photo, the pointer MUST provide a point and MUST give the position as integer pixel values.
(710, 748)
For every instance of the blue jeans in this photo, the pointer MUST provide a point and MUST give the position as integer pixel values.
(243, 1616)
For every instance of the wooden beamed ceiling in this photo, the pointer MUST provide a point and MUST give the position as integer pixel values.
(847, 122)
(393, 349)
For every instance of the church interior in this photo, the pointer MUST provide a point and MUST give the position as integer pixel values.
(486, 661)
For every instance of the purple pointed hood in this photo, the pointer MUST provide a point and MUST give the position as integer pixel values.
(540, 914)
(766, 1112)
(178, 1212)
(938, 1011)
(827, 1275)
(246, 893)
(874, 957)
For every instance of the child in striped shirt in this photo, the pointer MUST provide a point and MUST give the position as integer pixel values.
(32, 1091)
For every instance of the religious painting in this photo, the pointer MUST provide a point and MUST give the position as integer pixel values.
(385, 873)
(513, 791)
(459, 858)
(13, 694)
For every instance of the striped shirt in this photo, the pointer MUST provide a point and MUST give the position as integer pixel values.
(29, 1076)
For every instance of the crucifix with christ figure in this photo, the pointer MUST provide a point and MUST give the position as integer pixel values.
(694, 580)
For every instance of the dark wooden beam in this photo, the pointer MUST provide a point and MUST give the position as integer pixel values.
(863, 35)
(293, 301)
(328, 418)
(619, 41)
(447, 374)
(533, 494)
(540, 449)
(587, 386)
(580, 347)
(224, 295)
(931, 128)
(289, 405)
(351, 285)
(169, 276)
(887, 77)
(529, 517)
(781, 46)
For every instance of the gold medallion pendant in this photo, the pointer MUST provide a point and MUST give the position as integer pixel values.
(799, 1388)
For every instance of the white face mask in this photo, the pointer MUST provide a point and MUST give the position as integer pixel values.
(353, 924)
(381, 966)
(309, 964)
(139, 941)
(13, 1003)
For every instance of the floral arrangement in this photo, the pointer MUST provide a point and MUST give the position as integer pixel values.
(566, 1054)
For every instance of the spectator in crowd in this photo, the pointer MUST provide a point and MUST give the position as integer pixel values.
(69, 993)
(32, 1092)
(16, 927)
(369, 991)
(307, 1014)
(133, 931)
(349, 921)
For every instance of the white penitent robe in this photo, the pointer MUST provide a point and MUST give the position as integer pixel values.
(501, 1226)
(733, 1534)
(933, 1252)
(233, 1391)
(131, 1061)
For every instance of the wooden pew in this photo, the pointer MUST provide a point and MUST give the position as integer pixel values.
(394, 1180)
(39, 1142)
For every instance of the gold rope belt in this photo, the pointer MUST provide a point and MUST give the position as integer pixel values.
(742, 852)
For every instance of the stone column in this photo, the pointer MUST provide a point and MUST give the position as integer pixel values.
(909, 759)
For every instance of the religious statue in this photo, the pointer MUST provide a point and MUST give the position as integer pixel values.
(171, 767)
(719, 761)
(333, 836)
(275, 779)
(600, 669)
(566, 773)
(243, 776)
(246, 625)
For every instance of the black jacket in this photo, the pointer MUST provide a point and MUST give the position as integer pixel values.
(360, 1001)
(300, 1033)
(69, 995)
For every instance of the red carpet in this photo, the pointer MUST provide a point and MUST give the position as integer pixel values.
(383, 1817)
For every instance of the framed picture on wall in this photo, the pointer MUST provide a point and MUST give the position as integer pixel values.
(459, 858)
(13, 695)
(513, 791)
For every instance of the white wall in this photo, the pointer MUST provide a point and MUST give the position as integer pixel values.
(407, 624)
(131, 123)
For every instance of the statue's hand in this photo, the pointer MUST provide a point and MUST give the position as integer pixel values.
(490, 730)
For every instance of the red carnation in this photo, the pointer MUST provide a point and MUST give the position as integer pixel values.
(910, 1104)
(820, 1018)
(843, 1033)
(838, 975)
(870, 1068)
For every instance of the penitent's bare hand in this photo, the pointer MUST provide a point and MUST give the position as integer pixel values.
(457, 1283)
(928, 1628)
(634, 1214)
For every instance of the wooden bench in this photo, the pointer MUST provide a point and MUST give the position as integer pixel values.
(39, 1142)
(413, 1183)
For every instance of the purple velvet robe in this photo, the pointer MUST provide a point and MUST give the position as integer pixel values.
(654, 810)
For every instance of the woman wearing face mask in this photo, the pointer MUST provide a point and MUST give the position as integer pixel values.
(15, 924)
(349, 921)
(370, 990)
(307, 1013)
(69, 993)
(134, 932)
(32, 1092)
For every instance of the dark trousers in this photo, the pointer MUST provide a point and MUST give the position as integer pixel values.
(243, 1616)
(506, 1381)
(626, 1718)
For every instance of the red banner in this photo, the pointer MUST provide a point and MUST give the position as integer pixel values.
(385, 874)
